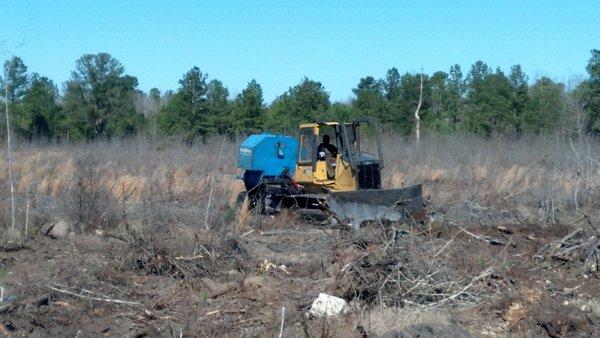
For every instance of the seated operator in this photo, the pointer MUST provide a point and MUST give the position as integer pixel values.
(325, 145)
(328, 152)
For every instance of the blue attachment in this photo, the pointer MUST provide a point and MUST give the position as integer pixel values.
(267, 155)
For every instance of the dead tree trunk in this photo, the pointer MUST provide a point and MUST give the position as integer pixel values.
(8, 143)
(212, 181)
(417, 116)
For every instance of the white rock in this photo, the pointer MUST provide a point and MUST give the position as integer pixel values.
(327, 306)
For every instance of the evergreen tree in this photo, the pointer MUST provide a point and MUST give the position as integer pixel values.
(518, 81)
(456, 91)
(370, 99)
(100, 99)
(154, 100)
(249, 109)
(546, 107)
(219, 107)
(437, 117)
(154, 95)
(306, 102)
(392, 85)
(479, 71)
(15, 78)
(590, 92)
(342, 112)
(187, 112)
(310, 100)
(39, 114)
(490, 101)
(166, 97)
(393, 95)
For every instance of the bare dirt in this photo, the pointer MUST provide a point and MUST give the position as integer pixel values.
(498, 275)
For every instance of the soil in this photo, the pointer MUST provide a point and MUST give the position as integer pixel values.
(112, 283)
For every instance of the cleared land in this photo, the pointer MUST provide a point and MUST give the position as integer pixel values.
(138, 238)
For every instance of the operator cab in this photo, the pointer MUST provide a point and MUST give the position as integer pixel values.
(319, 156)
(330, 157)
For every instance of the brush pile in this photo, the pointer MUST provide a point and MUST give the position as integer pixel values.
(578, 249)
(396, 267)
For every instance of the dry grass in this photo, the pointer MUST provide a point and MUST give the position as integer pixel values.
(543, 175)
(125, 174)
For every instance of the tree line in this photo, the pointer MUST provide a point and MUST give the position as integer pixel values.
(101, 101)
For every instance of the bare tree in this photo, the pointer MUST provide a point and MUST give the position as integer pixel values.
(212, 179)
(417, 116)
(8, 143)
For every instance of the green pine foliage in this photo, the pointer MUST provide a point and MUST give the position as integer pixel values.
(39, 115)
(188, 112)
(305, 102)
(101, 101)
(589, 91)
(545, 109)
(249, 110)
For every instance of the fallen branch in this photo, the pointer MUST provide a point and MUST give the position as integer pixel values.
(484, 274)
(190, 258)
(589, 242)
(447, 244)
(247, 233)
(282, 320)
(108, 300)
(419, 283)
(490, 240)
(567, 237)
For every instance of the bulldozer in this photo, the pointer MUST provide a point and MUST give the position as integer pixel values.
(339, 179)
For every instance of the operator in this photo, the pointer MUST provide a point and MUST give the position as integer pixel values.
(328, 152)
(325, 145)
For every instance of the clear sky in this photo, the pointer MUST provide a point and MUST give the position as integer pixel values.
(280, 42)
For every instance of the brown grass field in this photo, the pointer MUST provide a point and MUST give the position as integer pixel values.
(144, 238)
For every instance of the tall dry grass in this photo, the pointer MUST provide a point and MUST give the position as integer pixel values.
(538, 172)
(66, 181)
(138, 180)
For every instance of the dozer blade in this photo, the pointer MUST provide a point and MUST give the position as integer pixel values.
(355, 207)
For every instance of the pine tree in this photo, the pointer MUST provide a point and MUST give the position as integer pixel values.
(100, 99)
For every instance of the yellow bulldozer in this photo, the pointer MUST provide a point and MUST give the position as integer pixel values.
(328, 170)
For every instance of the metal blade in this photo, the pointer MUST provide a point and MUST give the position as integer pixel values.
(355, 207)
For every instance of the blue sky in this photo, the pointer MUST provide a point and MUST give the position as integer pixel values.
(280, 42)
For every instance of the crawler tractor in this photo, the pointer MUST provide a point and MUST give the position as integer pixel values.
(337, 178)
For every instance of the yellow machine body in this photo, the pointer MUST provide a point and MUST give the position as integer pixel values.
(313, 174)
